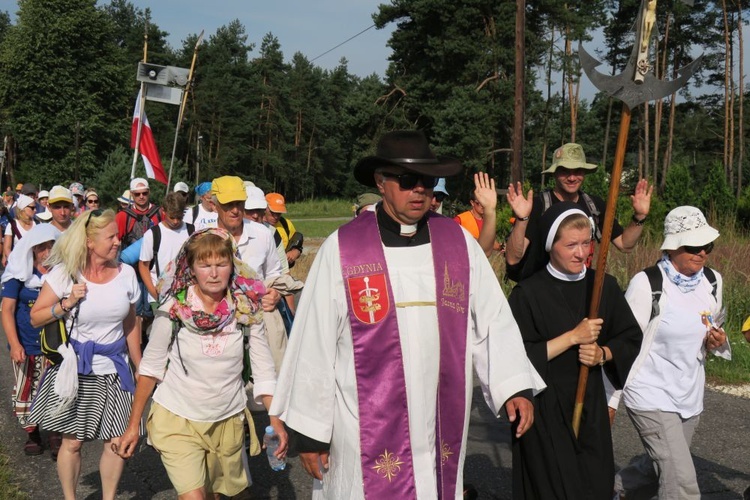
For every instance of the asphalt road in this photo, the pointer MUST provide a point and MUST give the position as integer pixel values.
(720, 452)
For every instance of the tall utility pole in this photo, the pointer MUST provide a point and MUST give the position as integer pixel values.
(519, 102)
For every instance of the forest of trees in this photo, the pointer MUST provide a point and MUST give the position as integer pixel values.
(67, 89)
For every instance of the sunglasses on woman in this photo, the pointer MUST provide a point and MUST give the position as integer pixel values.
(92, 214)
(92, 201)
(696, 250)
(410, 180)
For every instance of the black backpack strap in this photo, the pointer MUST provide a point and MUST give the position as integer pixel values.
(190, 228)
(154, 211)
(156, 231)
(129, 214)
(277, 237)
(711, 277)
(195, 211)
(655, 278)
(594, 211)
(546, 199)
(176, 325)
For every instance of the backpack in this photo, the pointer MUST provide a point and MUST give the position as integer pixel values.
(588, 200)
(655, 278)
(141, 224)
(195, 211)
(156, 230)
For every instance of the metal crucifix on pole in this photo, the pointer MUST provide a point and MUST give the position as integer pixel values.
(636, 85)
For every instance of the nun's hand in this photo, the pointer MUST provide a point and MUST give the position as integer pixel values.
(589, 354)
(587, 331)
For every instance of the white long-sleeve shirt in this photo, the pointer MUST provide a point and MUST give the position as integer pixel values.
(212, 389)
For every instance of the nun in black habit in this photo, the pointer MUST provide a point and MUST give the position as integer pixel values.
(551, 307)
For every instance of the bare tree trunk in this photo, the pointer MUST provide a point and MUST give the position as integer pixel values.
(310, 149)
(519, 101)
(727, 86)
(741, 98)
(644, 172)
(570, 81)
(660, 71)
(545, 139)
(670, 142)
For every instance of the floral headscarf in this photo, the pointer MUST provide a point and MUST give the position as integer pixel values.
(242, 302)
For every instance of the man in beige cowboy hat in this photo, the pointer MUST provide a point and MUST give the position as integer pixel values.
(376, 381)
(569, 167)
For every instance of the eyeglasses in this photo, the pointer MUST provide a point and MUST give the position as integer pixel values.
(142, 193)
(93, 213)
(696, 250)
(410, 180)
(439, 197)
(91, 201)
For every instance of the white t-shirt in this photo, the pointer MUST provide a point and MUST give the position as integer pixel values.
(102, 311)
(169, 247)
(21, 231)
(672, 376)
(203, 220)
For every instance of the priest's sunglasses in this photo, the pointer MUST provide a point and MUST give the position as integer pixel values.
(410, 180)
(696, 250)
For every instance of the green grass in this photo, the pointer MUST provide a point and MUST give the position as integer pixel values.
(9, 489)
(320, 208)
(317, 228)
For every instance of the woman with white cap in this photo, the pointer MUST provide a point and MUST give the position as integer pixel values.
(15, 230)
(551, 309)
(678, 303)
(22, 281)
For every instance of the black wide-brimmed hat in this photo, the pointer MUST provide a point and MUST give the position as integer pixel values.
(408, 149)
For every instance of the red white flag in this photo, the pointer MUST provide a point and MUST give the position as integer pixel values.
(147, 146)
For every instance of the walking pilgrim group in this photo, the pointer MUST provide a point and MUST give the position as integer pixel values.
(401, 308)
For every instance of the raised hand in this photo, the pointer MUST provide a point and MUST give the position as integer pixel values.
(521, 205)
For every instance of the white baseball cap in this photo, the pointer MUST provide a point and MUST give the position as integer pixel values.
(138, 184)
(181, 187)
(256, 199)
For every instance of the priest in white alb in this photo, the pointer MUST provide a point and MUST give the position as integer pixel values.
(400, 304)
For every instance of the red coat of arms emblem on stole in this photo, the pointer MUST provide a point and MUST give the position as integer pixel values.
(369, 296)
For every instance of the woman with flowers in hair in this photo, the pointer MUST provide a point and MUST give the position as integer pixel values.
(194, 358)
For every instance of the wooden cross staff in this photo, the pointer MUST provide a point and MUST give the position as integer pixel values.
(634, 86)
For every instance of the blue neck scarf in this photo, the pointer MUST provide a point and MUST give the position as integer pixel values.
(684, 283)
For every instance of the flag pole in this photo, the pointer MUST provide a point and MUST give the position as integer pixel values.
(142, 104)
(182, 108)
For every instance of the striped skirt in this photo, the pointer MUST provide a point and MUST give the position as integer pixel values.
(27, 377)
(101, 410)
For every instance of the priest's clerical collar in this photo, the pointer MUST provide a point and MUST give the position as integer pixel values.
(391, 230)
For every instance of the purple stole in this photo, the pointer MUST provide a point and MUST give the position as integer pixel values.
(387, 465)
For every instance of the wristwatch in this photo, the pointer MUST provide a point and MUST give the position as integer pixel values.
(639, 222)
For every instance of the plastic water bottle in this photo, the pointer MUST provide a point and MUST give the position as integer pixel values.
(271, 440)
